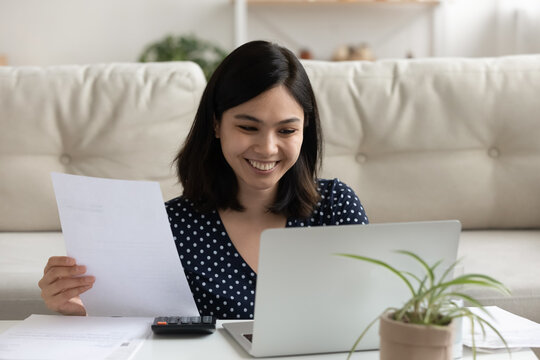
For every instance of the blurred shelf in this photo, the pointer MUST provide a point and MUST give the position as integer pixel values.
(240, 9)
(280, 2)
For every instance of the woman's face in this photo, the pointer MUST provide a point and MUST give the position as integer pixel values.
(261, 138)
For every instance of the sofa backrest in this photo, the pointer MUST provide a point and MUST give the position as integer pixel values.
(417, 140)
(123, 121)
(435, 138)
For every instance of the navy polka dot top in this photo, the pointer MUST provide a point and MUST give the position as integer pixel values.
(222, 283)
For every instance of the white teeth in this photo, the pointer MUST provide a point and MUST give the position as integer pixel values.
(262, 166)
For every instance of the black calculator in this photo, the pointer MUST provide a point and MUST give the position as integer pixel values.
(184, 325)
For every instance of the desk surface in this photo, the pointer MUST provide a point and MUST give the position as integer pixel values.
(221, 346)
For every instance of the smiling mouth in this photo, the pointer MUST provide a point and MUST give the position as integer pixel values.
(263, 166)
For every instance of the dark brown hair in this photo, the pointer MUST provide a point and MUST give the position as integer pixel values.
(251, 69)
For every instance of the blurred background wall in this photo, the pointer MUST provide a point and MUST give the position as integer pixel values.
(48, 32)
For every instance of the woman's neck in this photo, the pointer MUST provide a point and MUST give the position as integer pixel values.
(256, 202)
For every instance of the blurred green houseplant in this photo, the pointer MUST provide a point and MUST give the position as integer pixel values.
(185, 47)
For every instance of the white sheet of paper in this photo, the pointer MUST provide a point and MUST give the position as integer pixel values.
(56, 337)
(119, 229)
(516, 330)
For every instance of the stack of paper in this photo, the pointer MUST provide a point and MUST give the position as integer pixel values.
(516, 330)
(56, 337)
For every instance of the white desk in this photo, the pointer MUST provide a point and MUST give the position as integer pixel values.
(221, 346)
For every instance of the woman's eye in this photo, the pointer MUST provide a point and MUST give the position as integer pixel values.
(247, 128)
(287, 131)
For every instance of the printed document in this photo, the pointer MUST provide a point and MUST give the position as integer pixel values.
(119, 229)
(516, 330)
(57, 337)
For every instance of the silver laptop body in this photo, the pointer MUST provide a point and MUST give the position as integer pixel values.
(309, 300)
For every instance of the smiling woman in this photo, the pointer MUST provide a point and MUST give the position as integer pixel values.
(248, 164)
(258, 85)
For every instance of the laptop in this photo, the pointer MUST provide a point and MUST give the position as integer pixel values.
(310, 300)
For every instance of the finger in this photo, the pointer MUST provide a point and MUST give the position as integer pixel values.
(60, 272)
(56, 302)
(65, 285)
(59, 261)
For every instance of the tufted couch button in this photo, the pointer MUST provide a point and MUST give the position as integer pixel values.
(494, 152)
(65, 159)
(361, 158)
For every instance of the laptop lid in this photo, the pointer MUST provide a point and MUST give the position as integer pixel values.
(309, 300)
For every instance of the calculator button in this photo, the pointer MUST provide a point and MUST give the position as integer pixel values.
(207, 319)
(184, 320)
(196, 319)
(174, 319)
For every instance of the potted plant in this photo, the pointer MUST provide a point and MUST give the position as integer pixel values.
(186, 47)
(423, 327)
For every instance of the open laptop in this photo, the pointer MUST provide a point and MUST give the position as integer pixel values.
(309, 300)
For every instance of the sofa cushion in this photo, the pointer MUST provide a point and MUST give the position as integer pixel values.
(431, 139)
(24, 255)
(510, 257)
(123, 121)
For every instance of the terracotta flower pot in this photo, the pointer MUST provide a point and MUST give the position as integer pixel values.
(401, 341)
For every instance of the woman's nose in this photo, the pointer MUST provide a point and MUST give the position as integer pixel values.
(267, 144)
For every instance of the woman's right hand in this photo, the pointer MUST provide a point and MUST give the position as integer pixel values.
(62, 284)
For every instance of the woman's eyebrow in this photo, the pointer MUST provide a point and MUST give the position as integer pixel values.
(253, 118)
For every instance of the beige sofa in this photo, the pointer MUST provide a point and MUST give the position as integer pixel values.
(417, 140)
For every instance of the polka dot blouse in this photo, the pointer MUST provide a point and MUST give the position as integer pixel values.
(222, 283)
